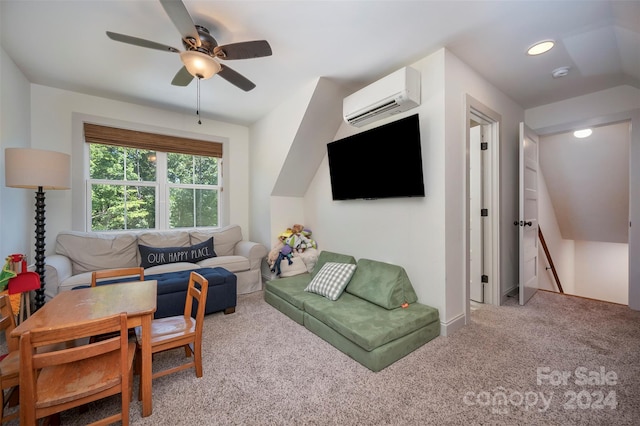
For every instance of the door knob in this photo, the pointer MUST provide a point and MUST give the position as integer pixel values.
(529, 223)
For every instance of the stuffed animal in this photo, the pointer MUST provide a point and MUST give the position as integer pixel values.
(292, 242)
(301, 240)
(272, 257)
(275, 252)
(285, 253)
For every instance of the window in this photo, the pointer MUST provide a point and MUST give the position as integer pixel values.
(137, 187)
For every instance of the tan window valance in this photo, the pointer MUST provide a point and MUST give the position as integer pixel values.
(94, 133)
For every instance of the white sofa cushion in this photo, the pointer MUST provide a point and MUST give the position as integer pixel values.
(230, 263)
(297, 267)
(75, 281)
(224, 239)
(164, 239)
(170, 267)
(93, 251)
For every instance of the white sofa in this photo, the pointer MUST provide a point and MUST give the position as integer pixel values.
(77, 254)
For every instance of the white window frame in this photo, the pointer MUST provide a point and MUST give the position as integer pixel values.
(80, 160)
(162, 189)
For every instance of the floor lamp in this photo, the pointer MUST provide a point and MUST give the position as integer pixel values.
(41, 170)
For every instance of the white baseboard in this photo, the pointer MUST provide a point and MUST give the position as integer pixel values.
(451, 326)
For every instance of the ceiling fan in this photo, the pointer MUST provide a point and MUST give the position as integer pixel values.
(201, 54)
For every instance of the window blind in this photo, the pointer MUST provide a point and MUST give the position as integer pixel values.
(94, 133)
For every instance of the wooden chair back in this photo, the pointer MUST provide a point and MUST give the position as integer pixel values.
(199, 295)
(115, 273)
(8, 323)
(10, 362)
(99, 369)
(182, 331)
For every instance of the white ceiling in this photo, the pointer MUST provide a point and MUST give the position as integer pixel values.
(588, 182)
(63, 44)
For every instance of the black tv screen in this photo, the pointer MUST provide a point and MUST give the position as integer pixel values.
(383, 162)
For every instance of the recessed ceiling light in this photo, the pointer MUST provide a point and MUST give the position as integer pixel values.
(540, 47)
(583, 133)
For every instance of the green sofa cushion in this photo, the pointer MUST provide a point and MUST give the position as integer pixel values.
(367, 325)
(291, 289)
(381, 283)
(285, 307)
(381, 356)
(328, 256)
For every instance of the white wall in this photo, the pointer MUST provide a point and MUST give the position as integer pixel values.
(562, 251)
(607, 106)
(426, 236)
(17, 206)
(55, 126)
(460, 82)
(586, 268)
(602, 271)
(404, 231)
(271, 138)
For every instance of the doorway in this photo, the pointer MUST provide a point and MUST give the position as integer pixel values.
(587, 233)
(482, 279)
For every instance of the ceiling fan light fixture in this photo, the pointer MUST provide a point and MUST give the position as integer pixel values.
(540, 47)
(199, 64)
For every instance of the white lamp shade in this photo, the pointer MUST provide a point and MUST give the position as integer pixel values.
(34, 168)
(199, 64)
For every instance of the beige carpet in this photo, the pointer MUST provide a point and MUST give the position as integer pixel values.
(261, 368)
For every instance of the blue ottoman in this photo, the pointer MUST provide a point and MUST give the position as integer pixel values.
(172, 291)
(222, 294)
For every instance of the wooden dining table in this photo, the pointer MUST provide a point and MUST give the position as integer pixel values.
(137, 299)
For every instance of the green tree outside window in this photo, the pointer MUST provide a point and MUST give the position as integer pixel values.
(126, 193)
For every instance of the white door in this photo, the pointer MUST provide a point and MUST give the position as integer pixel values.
(528, 217)
(476, 287)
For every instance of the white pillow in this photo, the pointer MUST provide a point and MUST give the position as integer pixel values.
(297, 267)
(331, 279)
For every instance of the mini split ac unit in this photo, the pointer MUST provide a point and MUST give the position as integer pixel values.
(395, 93)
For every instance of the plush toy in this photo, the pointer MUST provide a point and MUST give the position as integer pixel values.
(292, 242)
(285, 253)
(300, 241)
(275, 252)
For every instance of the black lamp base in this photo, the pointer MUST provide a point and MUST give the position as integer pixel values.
(40, 245)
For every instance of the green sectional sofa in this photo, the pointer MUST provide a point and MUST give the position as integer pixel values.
(368, 321)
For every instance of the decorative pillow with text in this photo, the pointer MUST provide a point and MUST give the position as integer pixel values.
(153, 256)
(202, 251)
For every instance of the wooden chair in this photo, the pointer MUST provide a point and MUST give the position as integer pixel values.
(114, 273)
(181, 331)
(64, 378)
(10, 363)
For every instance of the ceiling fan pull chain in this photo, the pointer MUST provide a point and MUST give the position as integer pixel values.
(198, 102)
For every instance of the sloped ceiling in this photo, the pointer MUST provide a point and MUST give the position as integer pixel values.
(588, 182)
(63, 44)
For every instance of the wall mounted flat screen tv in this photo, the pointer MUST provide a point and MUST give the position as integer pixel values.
(383, 162)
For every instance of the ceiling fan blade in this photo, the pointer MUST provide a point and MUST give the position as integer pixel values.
(182, 78)
(243, 50)
(140, 42)
(236, 78)
(181, 19)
